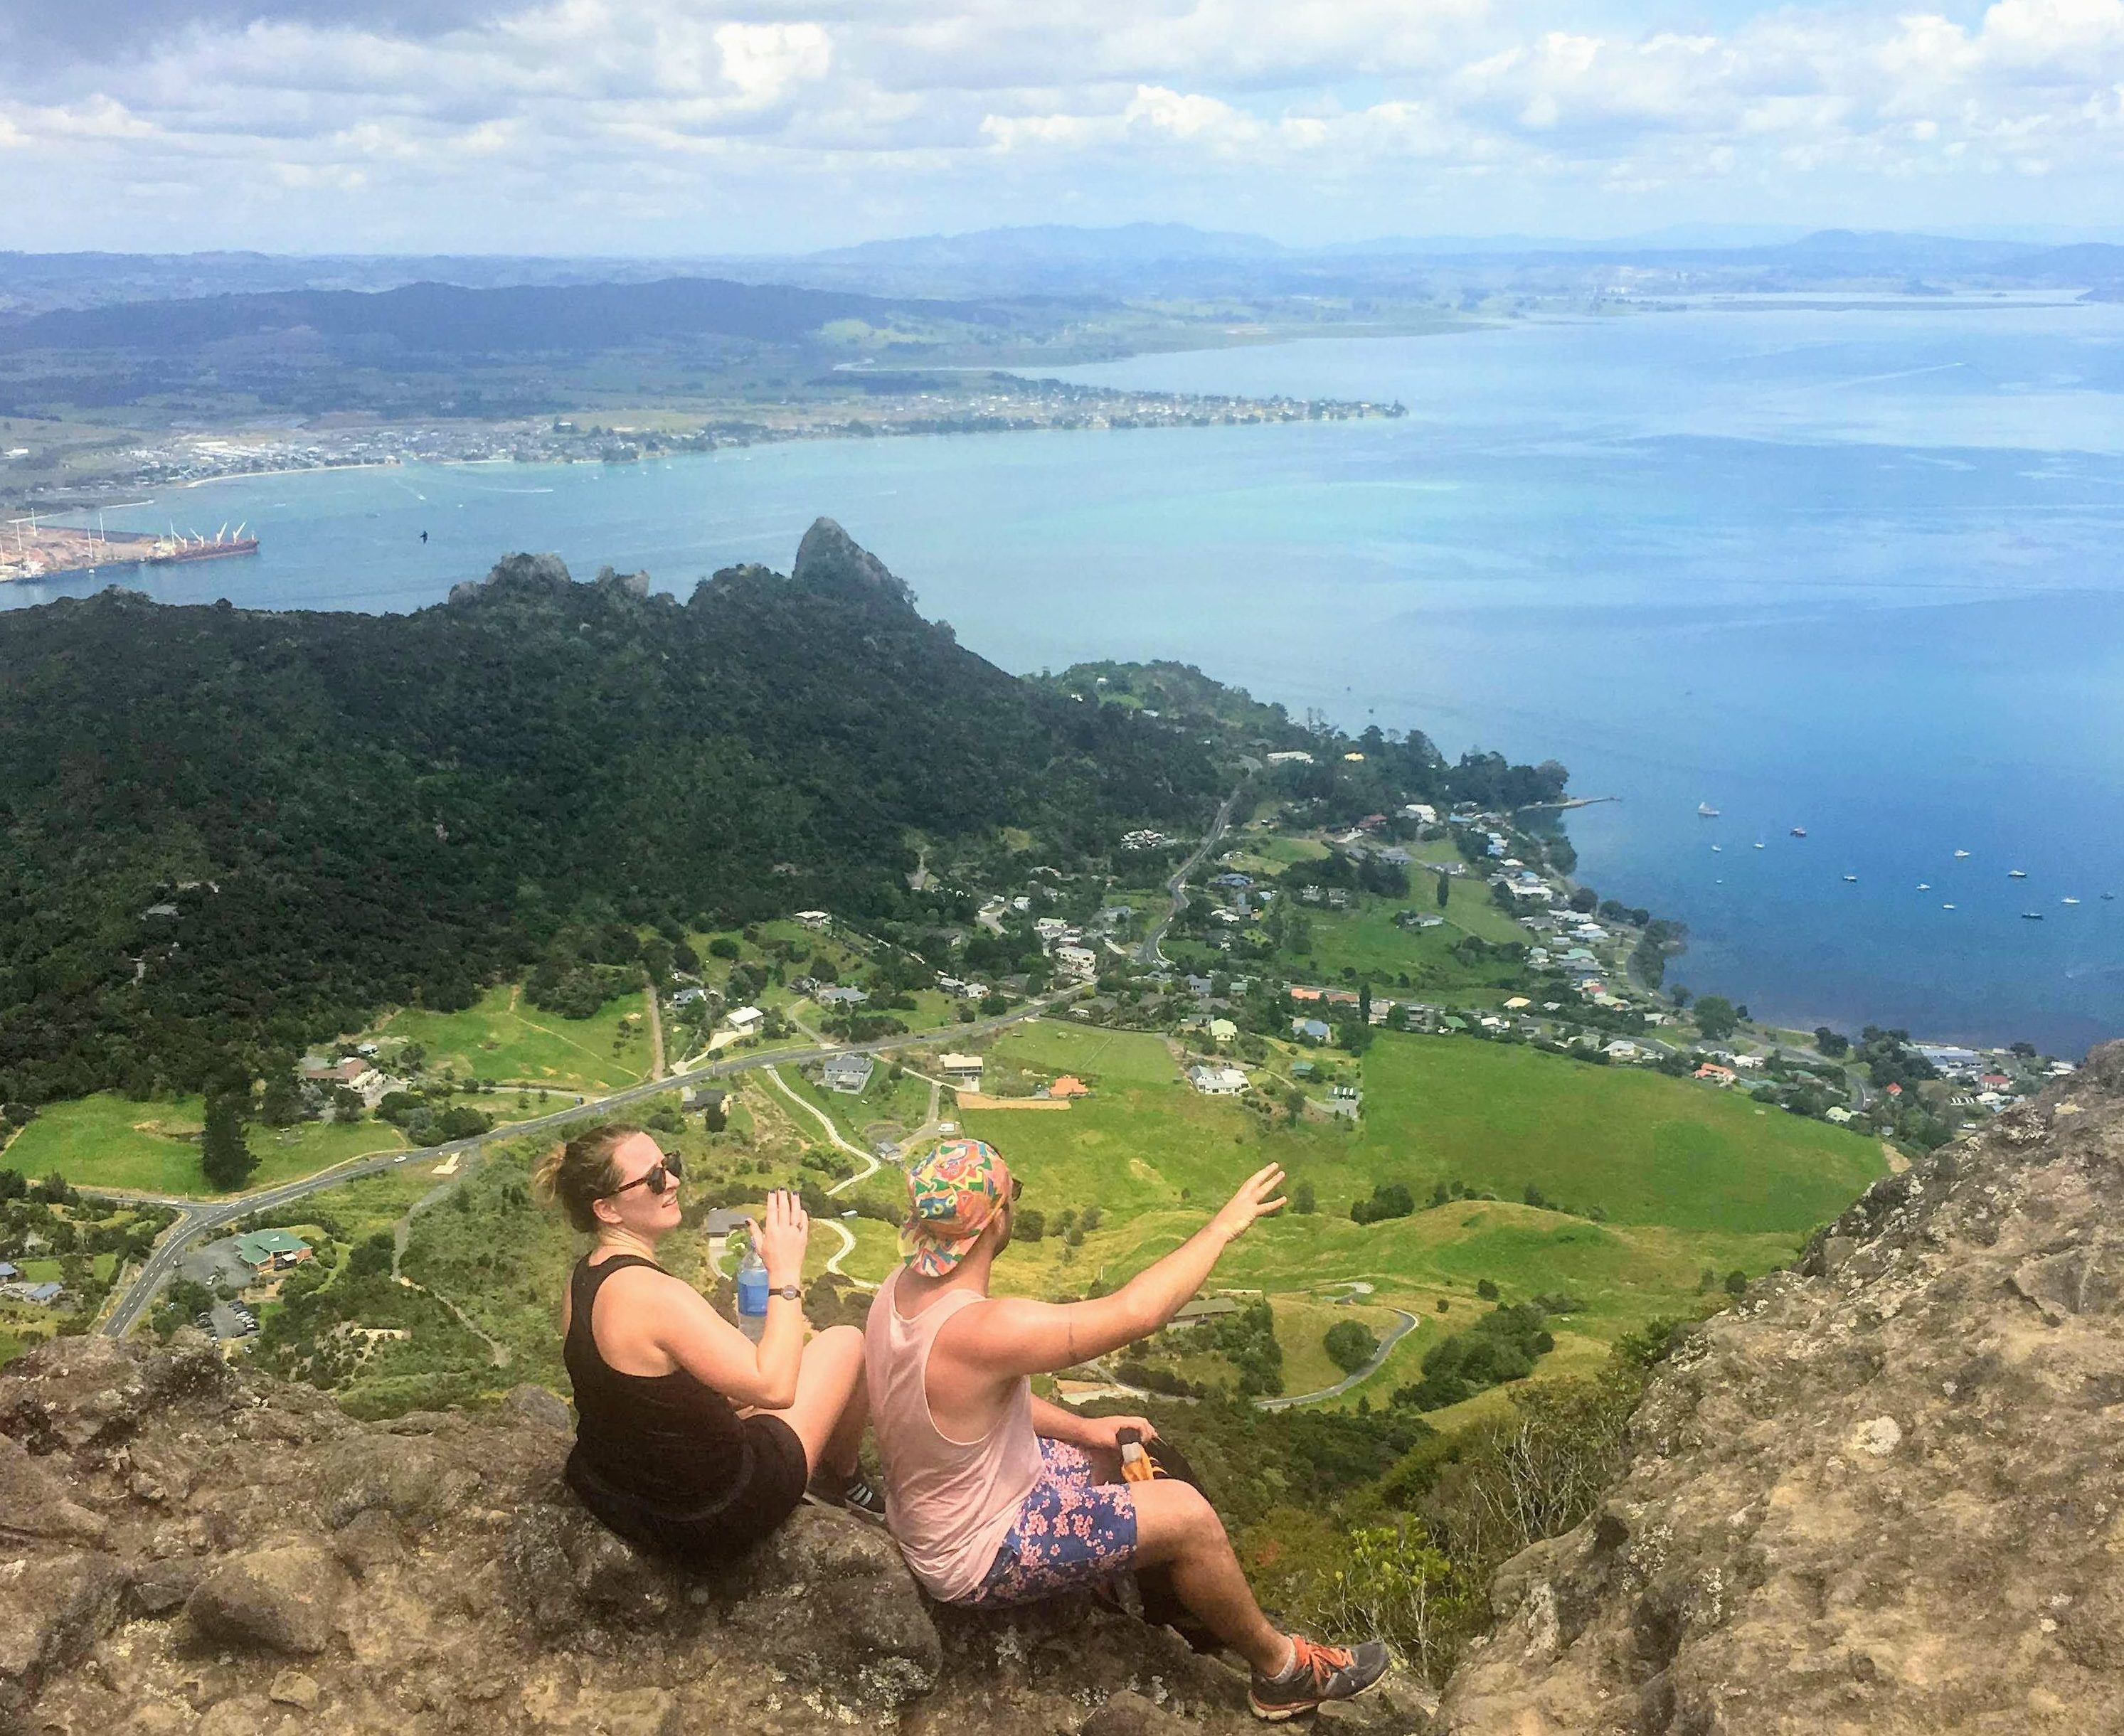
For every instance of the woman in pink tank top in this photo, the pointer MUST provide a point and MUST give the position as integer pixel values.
(996, 1497)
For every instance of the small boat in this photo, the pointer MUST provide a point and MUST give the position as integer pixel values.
(1924, 885)
(1799, 832)
(1960, 854)
(2107, 896)
(1947, 907)
(2068, 901)
(1705, 810)
(1759, 843)
(1717, 849)
(2017, 874)
(1851, 877)
(2032, 916)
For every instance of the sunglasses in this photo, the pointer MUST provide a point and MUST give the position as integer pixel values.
(659, 1178)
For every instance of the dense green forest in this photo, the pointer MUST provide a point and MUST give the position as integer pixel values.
(225, 833)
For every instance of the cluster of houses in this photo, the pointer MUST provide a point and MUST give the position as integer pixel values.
(44, 1294)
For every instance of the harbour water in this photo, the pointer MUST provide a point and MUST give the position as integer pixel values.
(1850, 570)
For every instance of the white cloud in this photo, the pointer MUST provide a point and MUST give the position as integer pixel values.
(780, 123)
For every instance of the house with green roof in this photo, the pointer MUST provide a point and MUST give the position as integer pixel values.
(271, 1250)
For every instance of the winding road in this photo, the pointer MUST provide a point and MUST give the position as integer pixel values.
(196, 1217)
(1151, 951)
(1409, 1323)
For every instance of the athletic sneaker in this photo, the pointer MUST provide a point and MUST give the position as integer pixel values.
(856, 1496)
(1317, 1674)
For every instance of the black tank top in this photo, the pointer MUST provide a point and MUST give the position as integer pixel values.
(668, 1441)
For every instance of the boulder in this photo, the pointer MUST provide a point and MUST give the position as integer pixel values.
(282, 1599)
(829, 1602)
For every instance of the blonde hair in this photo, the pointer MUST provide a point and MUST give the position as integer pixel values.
(576, 1174)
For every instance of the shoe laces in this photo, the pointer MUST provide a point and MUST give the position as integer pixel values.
(1322, 1661)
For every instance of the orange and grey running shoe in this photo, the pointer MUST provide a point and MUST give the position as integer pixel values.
(1317, 1674)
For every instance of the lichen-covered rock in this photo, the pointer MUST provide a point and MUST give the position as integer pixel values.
(280, 1600)
(201, 1551)
(1884, 1494)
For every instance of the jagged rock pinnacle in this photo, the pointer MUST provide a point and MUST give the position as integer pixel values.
(829, 559)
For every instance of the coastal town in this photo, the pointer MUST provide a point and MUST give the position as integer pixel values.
(75, 466)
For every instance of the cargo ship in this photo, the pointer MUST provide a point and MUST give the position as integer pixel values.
(168, 551)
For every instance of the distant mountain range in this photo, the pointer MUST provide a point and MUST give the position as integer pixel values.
(1128, 260)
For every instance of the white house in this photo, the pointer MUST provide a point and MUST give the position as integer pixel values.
(813, 919)
(1621, 1049)
(1837, 1112)
(963, 1070)
(1217, 1082)
(1077, 961)
(746, 1020)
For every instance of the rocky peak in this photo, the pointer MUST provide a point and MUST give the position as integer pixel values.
(1885, 1493)
(829, 559)
(519, 574)
(195, 1551)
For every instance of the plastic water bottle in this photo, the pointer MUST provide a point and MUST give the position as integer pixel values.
(752, 1295)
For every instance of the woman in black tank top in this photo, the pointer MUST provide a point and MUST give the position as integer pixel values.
(690, 1439)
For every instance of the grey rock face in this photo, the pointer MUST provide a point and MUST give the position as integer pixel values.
(1884, 1494)
(205, 1552)
(829, 559)
(280, 1600)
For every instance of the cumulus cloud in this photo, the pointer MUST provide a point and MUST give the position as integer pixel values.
(663, 124)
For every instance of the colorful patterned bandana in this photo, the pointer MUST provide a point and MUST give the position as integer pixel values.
(952, 1195)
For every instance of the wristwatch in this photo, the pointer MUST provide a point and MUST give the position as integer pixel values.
(788, 1292)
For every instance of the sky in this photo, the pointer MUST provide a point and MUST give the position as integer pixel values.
(696, 127)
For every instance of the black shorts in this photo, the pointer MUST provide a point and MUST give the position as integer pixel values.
(771, 1482)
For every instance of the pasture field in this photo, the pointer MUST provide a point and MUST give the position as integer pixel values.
(1691, 1180)
(1103, 1059)
(1365, 941)
(504, 1037)
(107, 1141)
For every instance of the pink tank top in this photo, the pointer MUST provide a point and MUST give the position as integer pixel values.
(948, 1503)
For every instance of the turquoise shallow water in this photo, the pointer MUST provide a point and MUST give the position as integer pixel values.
(1851, 571)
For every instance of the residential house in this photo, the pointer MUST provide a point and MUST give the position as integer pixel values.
(1290, 757)
(722, 1222)
(1067, 1086)
(44, 1295)
(1717, 1075)
(1209, 1307)
(1837, 1112)
(8, 1270)
(1310, 1030)
(272, 1250)
(1223, 1030)
(1623, 1049)
(962, 1071)
(1396, 857)
(814, 919)
(1077, 961)
(689, 997)
(845, 999)
(1516, 1002)
(1422, 813)
(354, 1073)
(1217, 1082)
(847, 1073)
(1236, 882)
(1749, 1063)
(744, 1021)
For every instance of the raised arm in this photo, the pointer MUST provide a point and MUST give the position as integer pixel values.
(1011, 1336)
(712, 1350)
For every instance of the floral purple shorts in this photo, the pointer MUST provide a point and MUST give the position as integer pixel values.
(1071, 1531)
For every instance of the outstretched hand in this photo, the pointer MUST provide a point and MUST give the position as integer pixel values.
(1257, 1197)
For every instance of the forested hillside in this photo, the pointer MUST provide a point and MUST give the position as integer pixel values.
(225, 833)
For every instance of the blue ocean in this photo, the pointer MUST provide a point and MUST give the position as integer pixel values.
(1854, 572)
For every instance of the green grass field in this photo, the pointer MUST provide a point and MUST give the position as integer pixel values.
(110, 1141)
(1365, 940)
(1101, 1058)
(503, 1037)
(1690, 1179)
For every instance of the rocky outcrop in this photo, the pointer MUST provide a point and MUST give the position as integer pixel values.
(193, 1551)
(829, 559)
(1884, 1494)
